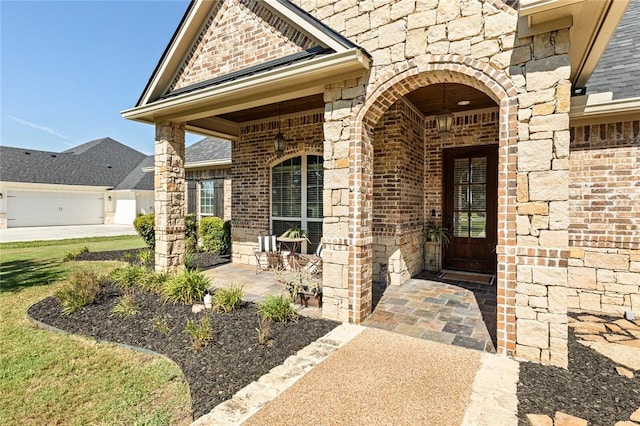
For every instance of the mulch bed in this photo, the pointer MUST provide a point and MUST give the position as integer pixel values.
(590, 388)
(215, 373)
(202, 260)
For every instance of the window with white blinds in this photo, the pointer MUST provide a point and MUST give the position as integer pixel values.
(296, 196)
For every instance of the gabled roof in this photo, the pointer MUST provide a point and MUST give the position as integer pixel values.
(102, 162)
(138, 179)
(208, 151)
(619, 68)
(200, 103)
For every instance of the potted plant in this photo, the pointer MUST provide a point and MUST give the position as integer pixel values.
(294, 232)
(436, 237)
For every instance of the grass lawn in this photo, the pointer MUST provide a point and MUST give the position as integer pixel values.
(50, 378)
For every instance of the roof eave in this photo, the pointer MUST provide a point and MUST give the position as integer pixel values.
(198, 164)
(188, 30)
(600, 109)
(301, 79)
(592, 26)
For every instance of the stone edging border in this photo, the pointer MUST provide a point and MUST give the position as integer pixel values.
(247, 401)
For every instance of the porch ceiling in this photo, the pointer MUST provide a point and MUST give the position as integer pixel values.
(429, 99)
(426, 99)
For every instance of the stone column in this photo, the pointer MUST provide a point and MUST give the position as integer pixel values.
(170, 190)
(542, 202)
(347, 253)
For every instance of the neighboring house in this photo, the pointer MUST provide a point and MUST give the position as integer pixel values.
(100, 181)
(104, 181)
(397, 113)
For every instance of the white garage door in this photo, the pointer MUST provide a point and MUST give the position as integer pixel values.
(38, 208)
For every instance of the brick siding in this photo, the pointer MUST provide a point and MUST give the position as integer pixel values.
(253, 157)
(604, 263)
(251, 35)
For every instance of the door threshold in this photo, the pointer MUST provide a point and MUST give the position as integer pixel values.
(475, 277)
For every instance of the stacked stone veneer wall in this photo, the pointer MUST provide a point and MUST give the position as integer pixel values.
(398, 193)
(253, 157)
(252, 35)
(214, 173)
(417, 43)
(604, 235)
(170, 190)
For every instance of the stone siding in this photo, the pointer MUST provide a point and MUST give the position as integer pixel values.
(170, 190)
(473, 43)
(253, 157)
(239, 34)
(604, 210)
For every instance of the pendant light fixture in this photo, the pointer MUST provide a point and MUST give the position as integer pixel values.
(279, 141)
(444, 119)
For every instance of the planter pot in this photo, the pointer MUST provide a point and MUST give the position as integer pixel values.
(432, 256)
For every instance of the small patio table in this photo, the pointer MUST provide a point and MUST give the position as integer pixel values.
(293, 244)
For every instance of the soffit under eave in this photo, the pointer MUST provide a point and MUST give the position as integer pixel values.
(299, 80)
(194, 23)
(592, 24)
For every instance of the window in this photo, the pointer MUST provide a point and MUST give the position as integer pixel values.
(296, 196)
(212, 198)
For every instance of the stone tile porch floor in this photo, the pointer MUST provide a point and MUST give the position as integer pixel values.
(451, 312)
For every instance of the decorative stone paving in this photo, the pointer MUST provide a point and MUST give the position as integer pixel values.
(616, 338)
(494, 398)
(451, 312)
(256, 286)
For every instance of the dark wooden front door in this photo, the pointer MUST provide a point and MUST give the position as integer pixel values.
(471, 183)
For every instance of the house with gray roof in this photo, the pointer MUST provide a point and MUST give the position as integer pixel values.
(370, 123)
(101, 181)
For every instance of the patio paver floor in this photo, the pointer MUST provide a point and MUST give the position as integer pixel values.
(452, 312)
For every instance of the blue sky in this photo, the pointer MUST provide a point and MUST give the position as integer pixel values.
(67, 69)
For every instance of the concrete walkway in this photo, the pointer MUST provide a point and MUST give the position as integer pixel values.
(41, 233)
(356, 375)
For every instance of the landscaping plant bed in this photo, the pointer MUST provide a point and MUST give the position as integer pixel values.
(202, 261)
(590, 388)
(232, 359)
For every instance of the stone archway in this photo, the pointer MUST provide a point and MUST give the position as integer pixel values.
(388, 88)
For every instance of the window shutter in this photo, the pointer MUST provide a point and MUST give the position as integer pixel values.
(191, 197)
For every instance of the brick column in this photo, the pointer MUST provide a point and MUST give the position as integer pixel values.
(170, 190)
(542, 202)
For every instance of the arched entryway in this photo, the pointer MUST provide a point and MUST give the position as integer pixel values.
(390, 99)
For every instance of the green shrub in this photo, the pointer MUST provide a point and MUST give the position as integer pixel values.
(226, 237)
(128, 277)
(153, 282)
(186, 287)
(145, 256)
(190, 261)
(228, 299)
(81, 288)
(72, 255)
(200, 332)
(161, 325)
(191, 226)
(125, 307)
(277, 308)
(264, 331)
(211, 234)
(144, 225)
